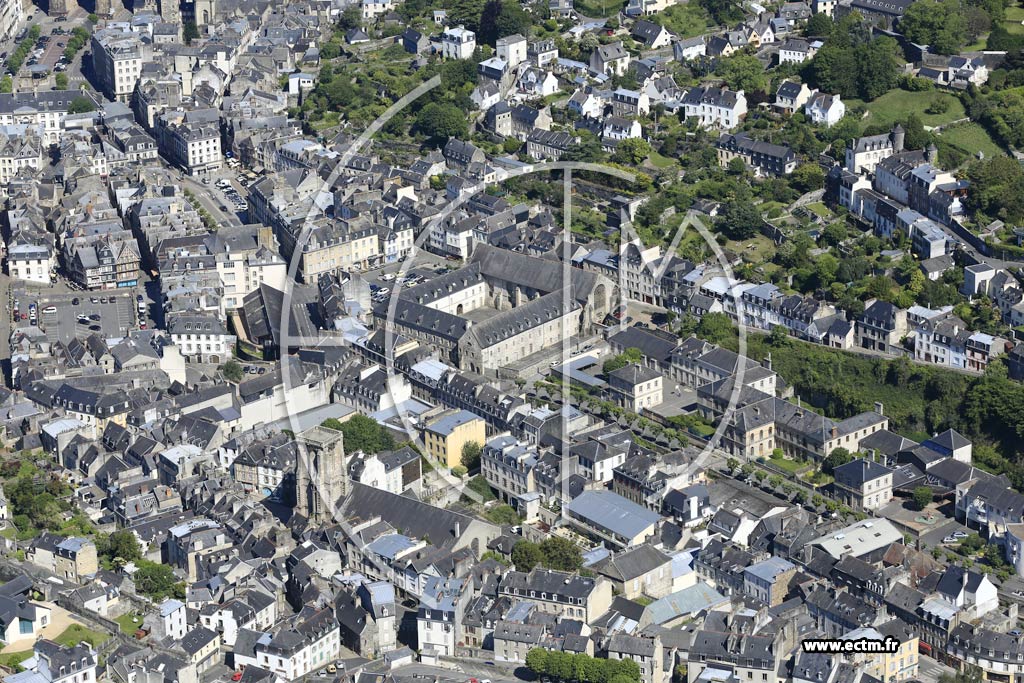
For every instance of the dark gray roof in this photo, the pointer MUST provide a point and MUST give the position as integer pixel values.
(860, 471)
(414, 518)
(632, 563)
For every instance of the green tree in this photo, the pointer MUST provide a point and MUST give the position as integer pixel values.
(441, 120)
(504, 515)
(81, 105)
(878, 65)
(190, 32)
(915, 137)
(724, 12)
(716, 328)
(630, 355)
(779, 337)
(561, 554)
(838, 456)
(807, 177)
(743, 72)
(632, 151)
(120, 545)
(362, 433)
(233, 371)
(526, 555)
(940, 24)
(997, 188)
(329, 51)
(156, 580)
(60, 81)
(471, 455)
(740, 221)
(731, 464)
(834, 69)
(537, 658)
(922, 495)
(500, 18)
(93, 18)
(819, 25)
(6, 84)
(349, 19)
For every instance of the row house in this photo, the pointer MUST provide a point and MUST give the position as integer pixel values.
(763, 158)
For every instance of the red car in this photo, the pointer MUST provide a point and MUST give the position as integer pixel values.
(237, 676)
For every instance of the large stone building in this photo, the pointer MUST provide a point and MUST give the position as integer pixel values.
(501, 308)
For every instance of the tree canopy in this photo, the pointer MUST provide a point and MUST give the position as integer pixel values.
(362, 433)
(441, 120)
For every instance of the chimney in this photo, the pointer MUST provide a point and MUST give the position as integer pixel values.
(768, 361)
(879, 408)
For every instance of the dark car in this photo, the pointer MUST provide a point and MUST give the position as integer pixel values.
(75, 302)
(95, 328)
(95, 316)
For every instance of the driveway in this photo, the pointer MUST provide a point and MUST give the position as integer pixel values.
(60, 620)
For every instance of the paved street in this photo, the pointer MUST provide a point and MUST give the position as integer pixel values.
(210, 198)
(931, 670)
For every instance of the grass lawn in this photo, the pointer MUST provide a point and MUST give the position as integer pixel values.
(971, 137)
(755, 250)
(9, 532)
(819, 209)
(686, 21)
(480, 486)
(76, 633)
(12, 660)
(977, 45)
(786, 465)
(896, 104)
(1014, 17)
(659, 161)
(596, 9)
(129, 623)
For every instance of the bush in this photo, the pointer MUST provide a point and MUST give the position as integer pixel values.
(940, 105)
(459, 471)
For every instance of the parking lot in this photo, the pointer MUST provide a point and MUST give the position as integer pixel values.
(64, 315)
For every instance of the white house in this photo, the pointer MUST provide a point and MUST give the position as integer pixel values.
(299, 83)
(202, 338)
(33, 262)
(617, 128)
(172, 619)
(824, 109)
(715, 107)
(611, 59)
(689, 48)
(797, 50)
(586, 103)
(458, 43)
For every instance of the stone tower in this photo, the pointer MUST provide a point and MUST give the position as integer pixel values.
(103, 8)
(321, 477)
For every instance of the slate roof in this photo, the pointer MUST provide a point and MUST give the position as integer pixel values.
(860, 471)
(632, 563)
(414, 518)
